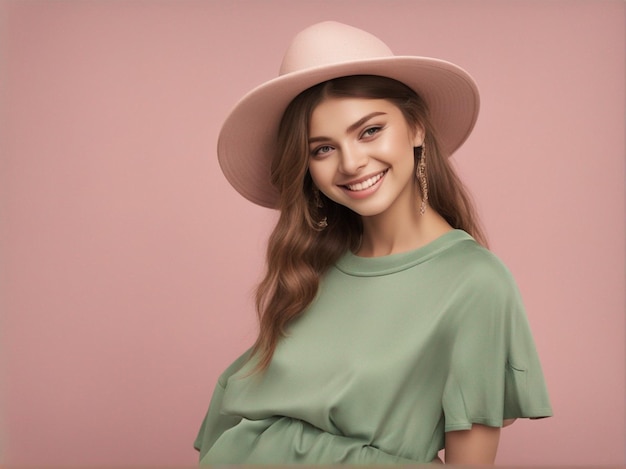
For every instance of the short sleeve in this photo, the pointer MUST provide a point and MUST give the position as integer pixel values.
(494, 371)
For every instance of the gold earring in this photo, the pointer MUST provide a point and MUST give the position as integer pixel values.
(421, 174)
(317, 200)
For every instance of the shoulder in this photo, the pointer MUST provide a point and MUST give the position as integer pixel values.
(478, 268)
(481, 284)
(234, 367)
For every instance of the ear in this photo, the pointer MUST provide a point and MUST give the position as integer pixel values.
(418, 136)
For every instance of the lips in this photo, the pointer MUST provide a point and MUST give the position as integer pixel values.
(366, 184)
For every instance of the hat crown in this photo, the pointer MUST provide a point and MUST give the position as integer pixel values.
(331, 43)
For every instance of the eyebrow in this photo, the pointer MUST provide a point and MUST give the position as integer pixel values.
(352, 127)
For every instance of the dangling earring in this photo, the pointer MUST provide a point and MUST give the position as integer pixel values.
(421, 174)
(317, 200)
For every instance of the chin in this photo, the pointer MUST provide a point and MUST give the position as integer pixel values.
(371, 211)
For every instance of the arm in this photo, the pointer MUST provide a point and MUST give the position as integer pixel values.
(476, 446)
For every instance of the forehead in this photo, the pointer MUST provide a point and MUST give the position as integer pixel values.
(337, 114)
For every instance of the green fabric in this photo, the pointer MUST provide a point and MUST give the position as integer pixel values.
(394, 351)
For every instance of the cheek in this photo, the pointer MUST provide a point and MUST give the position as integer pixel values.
(320, 173)
(396, 147)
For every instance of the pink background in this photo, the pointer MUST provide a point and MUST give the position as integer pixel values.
(127, 262)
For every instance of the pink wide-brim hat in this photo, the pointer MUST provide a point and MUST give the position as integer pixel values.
(247, 140)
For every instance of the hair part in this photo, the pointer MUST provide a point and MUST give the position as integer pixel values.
(298, 253)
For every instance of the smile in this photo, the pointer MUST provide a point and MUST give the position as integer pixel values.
(361, 186)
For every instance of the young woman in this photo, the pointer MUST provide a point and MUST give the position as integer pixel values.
(387, 330)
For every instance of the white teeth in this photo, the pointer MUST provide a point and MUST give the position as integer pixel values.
(365, 184)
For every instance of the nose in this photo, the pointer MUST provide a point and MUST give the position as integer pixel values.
(352, 160)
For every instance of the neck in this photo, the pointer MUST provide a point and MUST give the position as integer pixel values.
(391, 233)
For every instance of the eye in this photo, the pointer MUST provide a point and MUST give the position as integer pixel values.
(322, 150)
(371, 131)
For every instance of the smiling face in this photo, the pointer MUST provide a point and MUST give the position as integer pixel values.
(361, 155)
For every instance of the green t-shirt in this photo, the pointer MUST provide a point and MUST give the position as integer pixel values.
(393, 352)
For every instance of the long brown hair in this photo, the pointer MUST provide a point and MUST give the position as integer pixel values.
(298, 252)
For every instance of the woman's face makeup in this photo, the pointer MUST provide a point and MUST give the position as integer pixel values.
(361, 154)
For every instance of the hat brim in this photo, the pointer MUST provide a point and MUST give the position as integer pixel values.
(247, 140)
